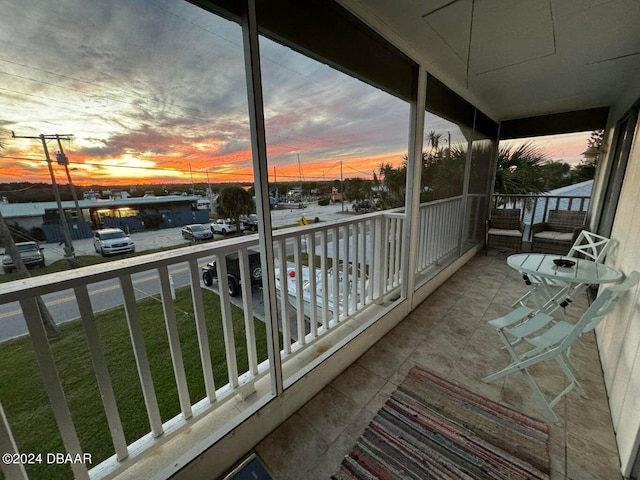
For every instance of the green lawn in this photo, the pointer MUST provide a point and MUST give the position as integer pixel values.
(83, 261)
(27, 406)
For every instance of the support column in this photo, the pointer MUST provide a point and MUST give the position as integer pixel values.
(414, 181)
(261, 176)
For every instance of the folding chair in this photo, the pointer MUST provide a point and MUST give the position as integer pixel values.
(588, 245)
(548, 339)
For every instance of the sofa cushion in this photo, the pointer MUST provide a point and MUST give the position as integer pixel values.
(504, 233)
(556, 236)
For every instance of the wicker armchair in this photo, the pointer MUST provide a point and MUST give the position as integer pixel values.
(558, 233)
(504, 229)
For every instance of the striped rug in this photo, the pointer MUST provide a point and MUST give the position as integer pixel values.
(432, 428)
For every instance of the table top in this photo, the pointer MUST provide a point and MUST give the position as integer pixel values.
(584, 271)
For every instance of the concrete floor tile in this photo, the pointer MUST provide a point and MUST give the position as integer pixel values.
(288, 450)
(586, 460)
(359, 384)
(329, 412)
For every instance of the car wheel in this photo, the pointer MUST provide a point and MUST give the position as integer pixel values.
(256, 273)
(224, 232)
(207, 278)
(102, 252)
(6, 269)
(234, 288)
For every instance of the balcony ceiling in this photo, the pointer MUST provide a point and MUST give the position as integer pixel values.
(518, 58)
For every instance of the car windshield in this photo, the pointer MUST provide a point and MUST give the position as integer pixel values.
(112, 235)
(29, 247)
(196, 228)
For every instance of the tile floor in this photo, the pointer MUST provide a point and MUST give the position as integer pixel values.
(448, 334)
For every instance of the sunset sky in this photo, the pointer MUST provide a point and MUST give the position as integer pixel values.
(154, 92)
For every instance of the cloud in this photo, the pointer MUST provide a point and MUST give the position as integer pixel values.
(163, 82)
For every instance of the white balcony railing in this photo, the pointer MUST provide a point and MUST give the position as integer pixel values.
(356, 261)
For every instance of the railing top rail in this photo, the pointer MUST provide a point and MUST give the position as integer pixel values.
(545, 195)
(442, 200)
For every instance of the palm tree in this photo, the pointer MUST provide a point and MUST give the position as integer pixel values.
(394, 181)
(433, 139)
(520, 170)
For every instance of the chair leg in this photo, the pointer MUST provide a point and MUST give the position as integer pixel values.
(538, 393)
(567, 368)
(532, 383)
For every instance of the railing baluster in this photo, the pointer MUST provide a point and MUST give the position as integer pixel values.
(101, 370)
(376, 273)
(353, 280)
(325, 279)
(11, 470)
(345, 269)
(397, 277)
(201, 329)
(311, 254)
(227, 320)
(297, 259)
(335, 269)
(52, 384)
(284, 296)
(387, 238)
(174, 342)
(247, 304)
(365, 296)
(392, 253)
(140, 354)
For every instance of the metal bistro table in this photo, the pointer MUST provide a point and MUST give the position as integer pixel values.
(543, 277)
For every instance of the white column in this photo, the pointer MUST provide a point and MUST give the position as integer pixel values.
(261, 175)
(414, 174)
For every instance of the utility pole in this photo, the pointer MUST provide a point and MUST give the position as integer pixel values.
(341, 186)
(64, 225)
(64, 161)
(275, 181)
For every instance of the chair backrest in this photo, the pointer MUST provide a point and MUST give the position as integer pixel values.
(602, 306)
(591, 246)
(565, 220)
(505, 218)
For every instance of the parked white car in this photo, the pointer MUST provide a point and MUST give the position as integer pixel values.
(111, 241)
(31, 254)
(224, 226)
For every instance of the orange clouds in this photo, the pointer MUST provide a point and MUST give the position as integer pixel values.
(183, 167)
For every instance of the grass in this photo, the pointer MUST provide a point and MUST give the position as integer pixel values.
(27, 406)
(83, 261)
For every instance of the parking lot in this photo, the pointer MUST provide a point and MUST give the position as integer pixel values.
(154, 239)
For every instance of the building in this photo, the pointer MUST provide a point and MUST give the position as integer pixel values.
(128, 213)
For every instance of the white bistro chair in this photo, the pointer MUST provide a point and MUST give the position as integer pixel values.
(546, 339)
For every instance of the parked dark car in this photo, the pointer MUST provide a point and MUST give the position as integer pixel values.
(363, 206)
(250, 222)
(210, 271)
(196, 232)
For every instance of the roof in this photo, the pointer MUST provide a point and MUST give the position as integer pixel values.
(37, 209)
(582, 189)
